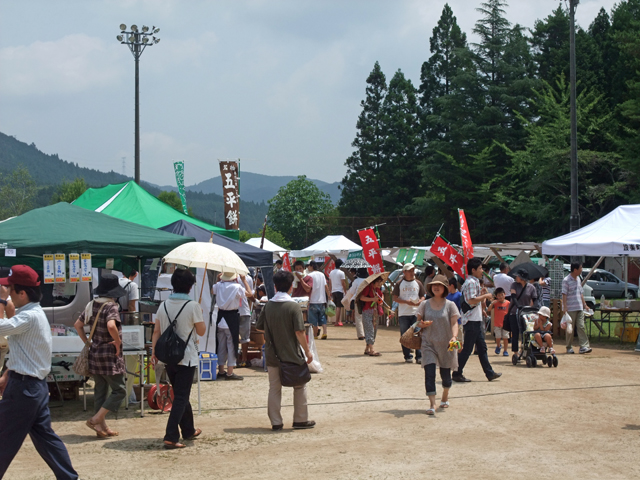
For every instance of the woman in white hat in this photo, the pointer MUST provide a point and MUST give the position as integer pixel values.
(542, 330)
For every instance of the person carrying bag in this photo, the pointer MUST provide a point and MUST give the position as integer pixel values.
(281, 321)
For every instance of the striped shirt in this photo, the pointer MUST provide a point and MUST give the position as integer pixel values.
(471, 289)
(572, 288)
(29, 341)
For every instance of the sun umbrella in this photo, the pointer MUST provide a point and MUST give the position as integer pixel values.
(369, 280)
(534, 271)
(355, 263)
(207, 255)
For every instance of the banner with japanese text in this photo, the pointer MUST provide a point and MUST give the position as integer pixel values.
(329, 266)
(286, 262)
(178, 168)
(371, 250)
(230, 194)
(448, 255)
(467, 246)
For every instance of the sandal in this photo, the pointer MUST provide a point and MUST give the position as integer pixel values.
(444, 404)
(99, 433)
(195, 435)
(431, 411)
(173, 445)
(112, 433)
(375, 354)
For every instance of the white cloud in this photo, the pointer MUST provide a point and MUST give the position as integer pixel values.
(71, 64)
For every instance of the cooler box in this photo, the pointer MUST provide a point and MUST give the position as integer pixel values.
(208, 366)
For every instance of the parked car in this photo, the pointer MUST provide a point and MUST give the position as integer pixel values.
(607, 284)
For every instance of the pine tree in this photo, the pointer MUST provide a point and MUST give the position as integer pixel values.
(367, 163)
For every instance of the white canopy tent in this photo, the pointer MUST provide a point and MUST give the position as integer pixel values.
(268, 245)
(337, 245)
(615, 234)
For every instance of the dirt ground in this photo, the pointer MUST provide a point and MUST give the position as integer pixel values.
(580, 420)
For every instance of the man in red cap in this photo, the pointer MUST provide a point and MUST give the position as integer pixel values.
(24, 408)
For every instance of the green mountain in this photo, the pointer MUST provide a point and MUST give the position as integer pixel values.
(49, 171)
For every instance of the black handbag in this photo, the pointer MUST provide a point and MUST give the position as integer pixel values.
(170, 347)
(291, 374)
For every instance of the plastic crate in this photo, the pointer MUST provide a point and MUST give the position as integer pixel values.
(208, 366)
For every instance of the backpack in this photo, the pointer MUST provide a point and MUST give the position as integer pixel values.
(120, 308)
(170, 347)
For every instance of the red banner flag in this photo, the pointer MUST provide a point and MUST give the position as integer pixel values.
(448, 254)
(329, 267)
(467, 246)
(371, 250)
(286, 262)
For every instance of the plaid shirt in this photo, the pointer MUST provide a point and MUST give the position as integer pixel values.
(102, 355)
(471, 289)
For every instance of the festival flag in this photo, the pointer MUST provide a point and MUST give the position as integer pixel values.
(467, 246)
(371, 250)
(402, 253)
(419, 261)
(230, 194)
(449, 255)
(329, 266)
(286, 262)
(178, 168)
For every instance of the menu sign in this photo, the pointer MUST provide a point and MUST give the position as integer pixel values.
(74, 268)
(85, 267)
(48, 268)
(60, 268)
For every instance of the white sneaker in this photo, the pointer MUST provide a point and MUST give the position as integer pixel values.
(570, 350)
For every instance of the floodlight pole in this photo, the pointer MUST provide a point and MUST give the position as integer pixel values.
(137, 41)
(574, 222)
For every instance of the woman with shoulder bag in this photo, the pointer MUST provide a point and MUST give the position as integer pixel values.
(106, 363)
(189, 322)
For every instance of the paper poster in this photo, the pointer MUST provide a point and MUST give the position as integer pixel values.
(108, 263)
(74, 268)
(85, 267)
(48, 268)
(60, 268)
(10, 252)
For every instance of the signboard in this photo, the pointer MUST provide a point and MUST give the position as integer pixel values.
(10, 252)
(356, 254)
(74, 268)
(230, 194)
(178, 167)
(48, 268)
(402, 253)
(85, 267)
(371, 249)
(60, 268)
(420, 258)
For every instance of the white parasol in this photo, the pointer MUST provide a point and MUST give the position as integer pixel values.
(207, 255)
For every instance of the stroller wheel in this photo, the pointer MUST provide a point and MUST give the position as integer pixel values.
(555, 361)
(549, 361)
(534, 362)
(528, 362)
(514, 359)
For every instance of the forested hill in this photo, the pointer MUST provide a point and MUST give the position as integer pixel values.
(49, 171)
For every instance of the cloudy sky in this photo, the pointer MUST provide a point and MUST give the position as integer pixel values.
(276, 83)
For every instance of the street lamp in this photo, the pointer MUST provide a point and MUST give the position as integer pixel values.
(574, 222)
(137, 40)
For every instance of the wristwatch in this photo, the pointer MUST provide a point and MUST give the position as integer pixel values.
(3, 301)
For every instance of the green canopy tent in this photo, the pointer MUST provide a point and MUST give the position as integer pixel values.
(64, 228)
(129, 201)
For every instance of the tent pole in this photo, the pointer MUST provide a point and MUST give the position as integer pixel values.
(593, 269)
(626, 275)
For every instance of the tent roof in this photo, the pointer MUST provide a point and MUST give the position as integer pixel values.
(64, 228)
(268, 244)
(129, 201)
(607, 236)
(333, 244)
(251, 256)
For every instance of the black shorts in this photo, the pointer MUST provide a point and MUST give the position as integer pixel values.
(337, 298)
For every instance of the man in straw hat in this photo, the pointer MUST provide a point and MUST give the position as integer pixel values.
(408, 293)
(24, 408)
(229, 294)
(474, 295)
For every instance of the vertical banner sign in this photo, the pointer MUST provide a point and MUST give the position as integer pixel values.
(61, 268)
(419, 261)
(74, 268)
(467, 246)
(178, 167)
(371, 250)
(402, 253)
(48, 268)
(85, 267)
(286, 262)
(329, 267)
(230, 194)
(447, 254)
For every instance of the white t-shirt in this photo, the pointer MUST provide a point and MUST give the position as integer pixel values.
(408, 291)
(318, 294)
(131, 288)
(190, 315)
(228, 295)
(504, 281)
(244, 306)
(336, 276)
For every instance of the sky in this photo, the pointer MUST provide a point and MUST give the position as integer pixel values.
(275, 83)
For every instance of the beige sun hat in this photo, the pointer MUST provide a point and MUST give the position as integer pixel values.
(544, 311)
(437, 280)
(228, 276)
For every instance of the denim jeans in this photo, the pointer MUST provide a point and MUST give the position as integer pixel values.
(405, 322)
(474, 336)
(430, 378)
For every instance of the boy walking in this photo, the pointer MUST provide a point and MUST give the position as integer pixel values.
(501, 308)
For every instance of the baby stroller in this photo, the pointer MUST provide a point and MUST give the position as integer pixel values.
(528, 348)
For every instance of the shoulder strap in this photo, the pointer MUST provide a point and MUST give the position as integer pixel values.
(172, 322)
(95, 320)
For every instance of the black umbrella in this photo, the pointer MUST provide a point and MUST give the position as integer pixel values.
(533, 270)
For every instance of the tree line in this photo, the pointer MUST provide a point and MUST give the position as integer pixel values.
(488, 127)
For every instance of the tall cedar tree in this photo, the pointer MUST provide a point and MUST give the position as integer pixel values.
(366, 167)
